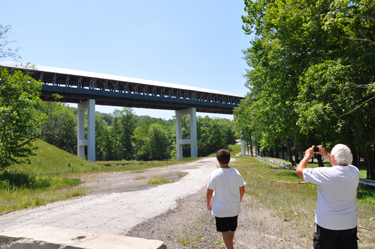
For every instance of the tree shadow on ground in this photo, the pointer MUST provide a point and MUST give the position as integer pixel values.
(21, 180)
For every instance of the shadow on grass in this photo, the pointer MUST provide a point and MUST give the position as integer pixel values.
(366, 192)
(281, 171)
(22, 180)
(14, 180)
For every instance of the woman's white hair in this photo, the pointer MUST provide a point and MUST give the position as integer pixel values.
(342, 154)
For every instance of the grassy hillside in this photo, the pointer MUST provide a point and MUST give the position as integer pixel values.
(48, 177)
(50, 160)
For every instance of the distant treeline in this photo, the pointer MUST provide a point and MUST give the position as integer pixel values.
(123, 135)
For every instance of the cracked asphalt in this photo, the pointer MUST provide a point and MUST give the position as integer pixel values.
(114, 212)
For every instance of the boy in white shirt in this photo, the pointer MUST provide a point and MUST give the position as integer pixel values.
(225, 191)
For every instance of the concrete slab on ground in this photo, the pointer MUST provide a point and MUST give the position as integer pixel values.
(45, 237)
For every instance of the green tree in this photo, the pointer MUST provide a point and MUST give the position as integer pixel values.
(20, 121)
(343, 84)
(60, 129)
(127, 120)
(213, 134)
(141, 141)
(5, 50)
(159, 142)
(153, 140)
(312, 73)
(228, 131)
(115, 130)
(273, 83)
(101, 133)
(108, 144)
(123, 126)
(280, 52)
(246, 122)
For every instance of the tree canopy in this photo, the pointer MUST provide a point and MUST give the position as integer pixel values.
(311, 75)
(20, 121)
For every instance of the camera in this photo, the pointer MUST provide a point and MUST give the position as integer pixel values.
(316, 149)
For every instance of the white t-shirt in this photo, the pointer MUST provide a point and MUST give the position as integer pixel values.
(226, 183)
(337, 191)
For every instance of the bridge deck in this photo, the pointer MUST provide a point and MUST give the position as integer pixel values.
(77, 86)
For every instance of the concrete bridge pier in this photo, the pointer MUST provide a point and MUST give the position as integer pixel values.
(243, 147)
(193, 132)
(82, 143)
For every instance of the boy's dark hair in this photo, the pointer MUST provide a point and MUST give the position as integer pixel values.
(223, 156)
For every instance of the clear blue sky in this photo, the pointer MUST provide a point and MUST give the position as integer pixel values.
(195, 43)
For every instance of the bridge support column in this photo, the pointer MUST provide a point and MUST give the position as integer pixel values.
(193, 132)
(82, 143)
(243, 148)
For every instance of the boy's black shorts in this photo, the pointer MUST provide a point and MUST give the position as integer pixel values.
(327, 239)
(226, 224)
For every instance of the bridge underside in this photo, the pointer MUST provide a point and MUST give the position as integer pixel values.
(78, 86)
(77, 95)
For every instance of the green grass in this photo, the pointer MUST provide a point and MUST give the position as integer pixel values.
(233, 148)
(47, 178)
(137, 166)
(159, 180)
(140, 178)
(181, 174)
(362, 168)
(279, 190)
(50, 160)
(191, 239)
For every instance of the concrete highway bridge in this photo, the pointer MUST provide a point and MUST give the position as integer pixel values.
(88, 88)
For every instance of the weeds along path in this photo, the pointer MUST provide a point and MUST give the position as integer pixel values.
(115, 204)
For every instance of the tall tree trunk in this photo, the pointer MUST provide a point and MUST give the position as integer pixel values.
(251, 148)
(277, 152)
(290, 154)
(320, 161)
(301, 154)
(355, 156)
(370, 161)
(296, 157)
